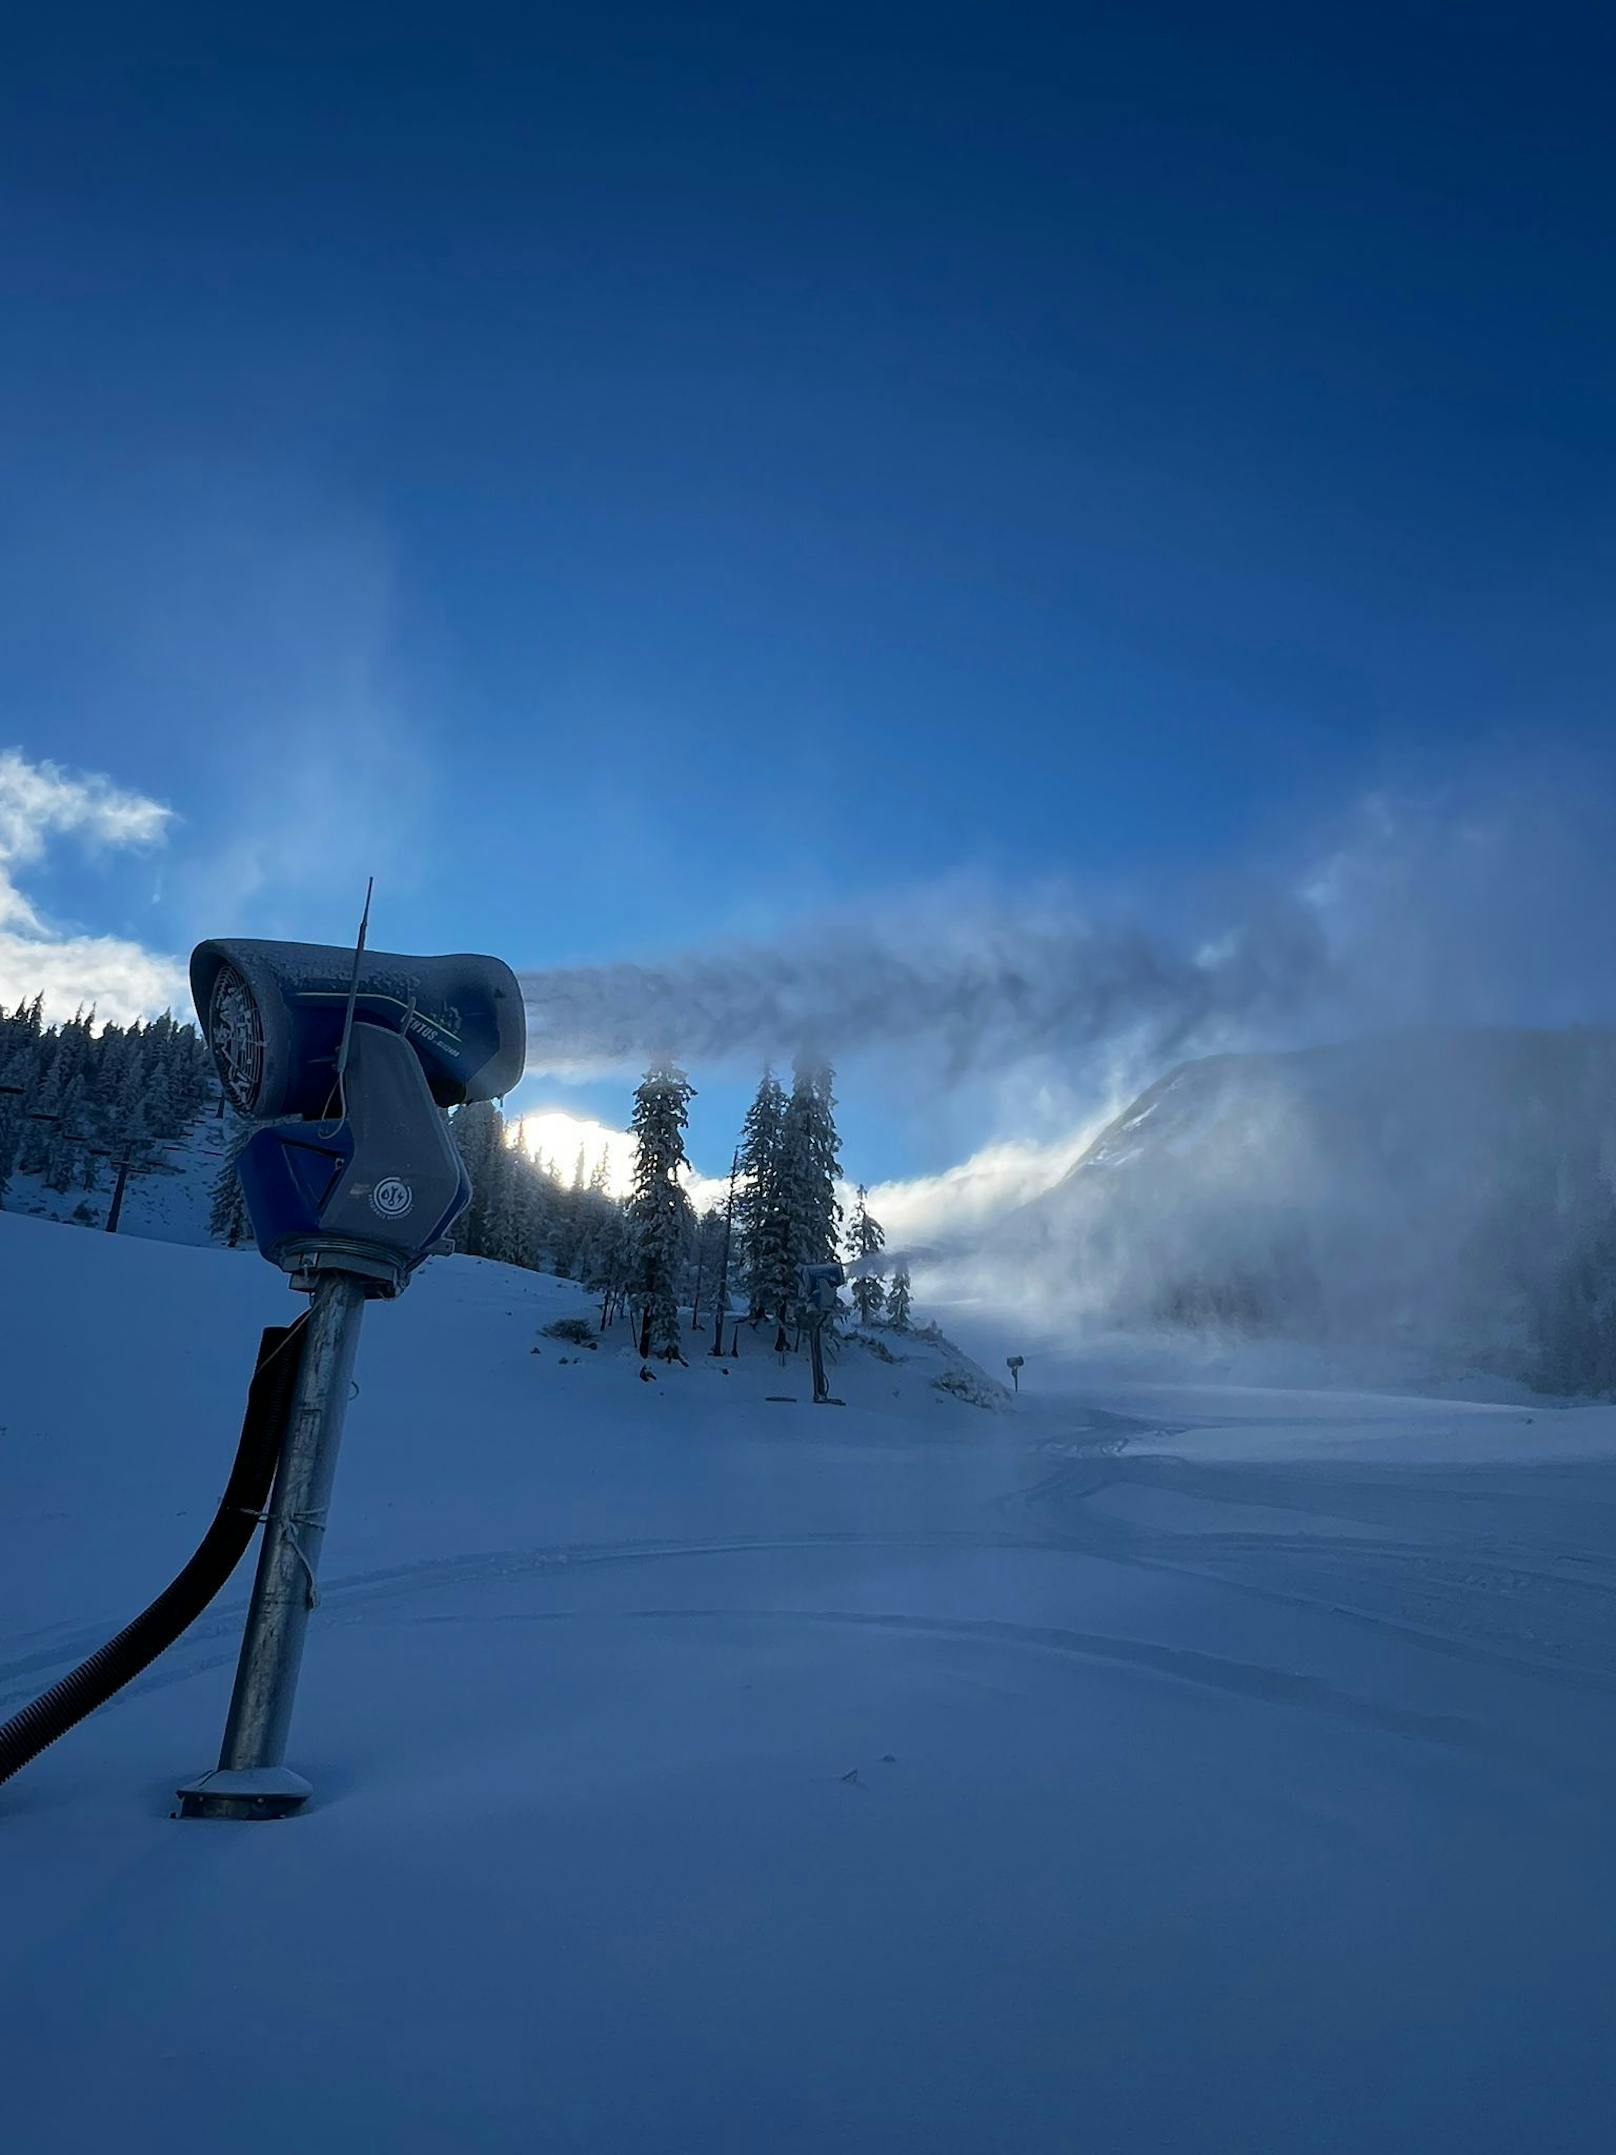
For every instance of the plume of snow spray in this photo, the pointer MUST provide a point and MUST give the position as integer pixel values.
(1484, 903)
(975, 996)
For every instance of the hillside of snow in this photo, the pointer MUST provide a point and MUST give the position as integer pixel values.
(1124, 1769)
(1426, 1191)
(169, 1203)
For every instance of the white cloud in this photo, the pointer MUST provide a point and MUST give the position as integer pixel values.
(40, 802)
(121, 979)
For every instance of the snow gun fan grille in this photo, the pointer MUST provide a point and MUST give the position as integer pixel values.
(236, 1036)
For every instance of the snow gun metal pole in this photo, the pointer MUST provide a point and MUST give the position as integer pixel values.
(252, 1779)
(816, 1355)
(350, 1207)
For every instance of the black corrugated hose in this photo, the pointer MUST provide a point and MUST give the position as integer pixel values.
(269, 1400)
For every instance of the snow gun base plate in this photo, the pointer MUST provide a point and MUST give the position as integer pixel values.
(257, 1792)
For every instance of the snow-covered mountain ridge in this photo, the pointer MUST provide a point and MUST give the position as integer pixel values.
(1435, 1187)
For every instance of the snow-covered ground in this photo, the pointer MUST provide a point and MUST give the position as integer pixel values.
(1134, 1768)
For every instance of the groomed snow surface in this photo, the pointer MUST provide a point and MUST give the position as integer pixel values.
(1128, 1769)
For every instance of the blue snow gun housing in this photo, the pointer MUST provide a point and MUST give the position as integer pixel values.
(349, 1063)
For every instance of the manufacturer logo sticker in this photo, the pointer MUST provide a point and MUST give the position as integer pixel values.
(392, 1198)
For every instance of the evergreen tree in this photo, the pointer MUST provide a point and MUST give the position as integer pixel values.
(40, 1108)
(810, 1168)
(65, 1135)
(160, 1109)
(533, 1209)
(132, 1140)
(610, 1253)
(587, 1252)
(17, 1077)
(865, 1239)
(1576, 1315)
(898, 1300)
(760, 1223)
(659, 1209)
(501, 1206)
(478, 1130)
(228, 1221)
(706, 1243)
(132, 1081)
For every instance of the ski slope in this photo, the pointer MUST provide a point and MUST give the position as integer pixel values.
(1134, 1768)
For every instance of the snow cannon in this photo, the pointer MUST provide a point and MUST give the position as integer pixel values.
(347, 1057)
(816, 1289)
(817, 1304)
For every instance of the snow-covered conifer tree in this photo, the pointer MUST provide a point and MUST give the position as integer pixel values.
(501, 1204)
(810, 1166)
(898, 1300)
(608, 1254)
(866, 1237)
(478, 1130)
(227, 1220)
(20, 1072)
(61, 1157)
(659, 1210)
(761, 1226)
(706, 1243)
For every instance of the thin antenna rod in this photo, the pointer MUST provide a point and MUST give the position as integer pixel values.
(353, 988)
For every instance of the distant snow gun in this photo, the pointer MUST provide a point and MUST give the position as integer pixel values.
(817, 1304)
(346, 1059)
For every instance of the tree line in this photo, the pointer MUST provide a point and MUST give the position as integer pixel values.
(652, 1255)
(80, 1105)
(76, 1105)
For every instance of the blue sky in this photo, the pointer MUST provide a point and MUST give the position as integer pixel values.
(637, 479)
